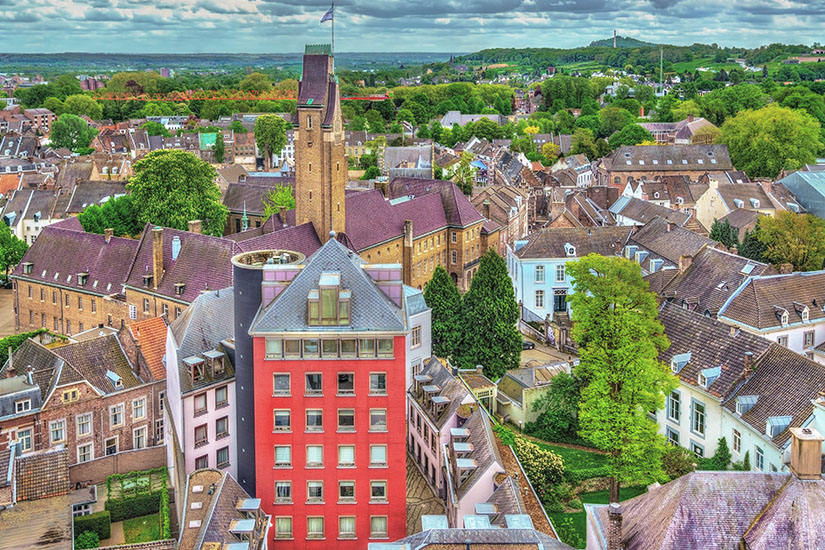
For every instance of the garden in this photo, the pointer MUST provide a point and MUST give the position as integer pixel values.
(139, 501)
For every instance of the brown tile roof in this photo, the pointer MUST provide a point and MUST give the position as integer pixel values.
(450, 388)
(150, 335)
(760, 302)
(745, 192)
(739, 217)
(550, 242)
(644, 211)
(92, 359)
(642, 157)
(42, 475)
(669, 241)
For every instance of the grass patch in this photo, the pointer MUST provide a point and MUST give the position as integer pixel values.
(141, 529)
(575, 459)
(579, 528)
(603, 497)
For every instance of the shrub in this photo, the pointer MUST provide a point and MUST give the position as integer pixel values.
(745, 464)
(577, 476)
(721, 458)
(678, 461)
(165, 521)
(568, 534)
(543, 468)
(558, 408)
(86, 539)
(99, 523)
(133, 507)
(576, 504)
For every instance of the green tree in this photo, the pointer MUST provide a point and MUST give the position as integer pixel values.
(721, 458)
(270, 136)
(491, 338)
(11, 249)
(550, 151)
(797, 239)
(238, 127)
(582, 142)
(87, 539)
(119, 214)
(444, 299)
(751, 247)
(256, 82)
(371, 173)
(616, 326)
(725, 233)
(54, 105)
(155, 129)
(632, 134)
(280, 196)
(558, 409)
(172, 187)
(686, 108)
(83, 105)
(771, 139)
(220, 148)
(72, 132)
(613, 119)
(463, 174)
(66, 85)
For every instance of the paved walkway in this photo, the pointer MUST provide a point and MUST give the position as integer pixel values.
(421, 500)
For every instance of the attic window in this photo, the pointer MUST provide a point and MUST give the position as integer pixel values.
(569, 249)
(329, 304)
(669, 161)
(147, 279)
(805, 313)
(655, 161)
(703, 381)
(179, 288)
(710, 153)
(82, 278)
(785, 318)
(656, 195)
(680, 200)
(27, 268)
(755, 202)
(684, 161)
(641, 162)
(701, 161)
(739, 203)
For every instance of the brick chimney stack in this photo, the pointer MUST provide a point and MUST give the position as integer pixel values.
(747, 371)
(806, 453)
(614, 526)
(195, 226)
(108, 233)
(685, 262)
(408, 252)
(157, 256)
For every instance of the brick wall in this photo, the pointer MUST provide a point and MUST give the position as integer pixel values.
(99, 469)
(61, 310)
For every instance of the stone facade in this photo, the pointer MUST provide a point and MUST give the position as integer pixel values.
(52, 306)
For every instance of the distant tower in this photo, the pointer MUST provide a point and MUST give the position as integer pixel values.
(320, 156)
(614, 38)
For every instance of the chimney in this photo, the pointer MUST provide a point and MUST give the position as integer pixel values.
(408, 252)
(685, 262)
(747, 371)
(195, 226)
(690, 118)
(806, 453)
(108, 233)
(614, 526)
(283, 215)
(486, 207)
(157, 255)
(10, 372)
(734, 250)
(669, 227)
(786, 269)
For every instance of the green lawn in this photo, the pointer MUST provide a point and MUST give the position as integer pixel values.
(603, 497)
(575, 459)
(142, 529)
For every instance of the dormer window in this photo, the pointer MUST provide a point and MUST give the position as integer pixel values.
(179, 288)
(27, 268)
(755, 202)
(147, 279)
(329, 304)
(82, 278)
(196, 366)
(785, 318)
(739, 203)
(569, 249)
(703, 382)
(656, 195)
(805, 315)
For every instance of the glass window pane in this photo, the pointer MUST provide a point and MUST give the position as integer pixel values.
(292, 348)
(378, 454)
(330, 348)
(315, 454)
(378, 383)
(385, 347)
(281, 382)
(273, 348)
(348, 347)
(311, 348)
(346, 454)
(314, 383)
(366, 347)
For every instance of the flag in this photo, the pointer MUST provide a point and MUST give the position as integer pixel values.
(327, 16)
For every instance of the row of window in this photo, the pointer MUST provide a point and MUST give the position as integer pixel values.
(699, 450)
(68, 330)
(329, 348)
(314, 383)
(697, 417)
(423, 428)
(559, 299)
(147, 310)
(315, 456)
(315, 420)
(116, 412)
(86, 451)
(68, 299)
(561, 274)
(346, 527)
(202, 431)
(315, 492)
(221, 459)
(221, 400)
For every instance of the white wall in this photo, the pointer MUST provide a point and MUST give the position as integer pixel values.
(713, 419)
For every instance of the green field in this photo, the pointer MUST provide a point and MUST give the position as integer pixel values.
(141, 529)
(596, 497)
(575, 459)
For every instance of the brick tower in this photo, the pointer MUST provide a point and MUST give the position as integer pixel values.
(320, 156)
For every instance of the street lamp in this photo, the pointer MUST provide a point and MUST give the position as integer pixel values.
(519, 425)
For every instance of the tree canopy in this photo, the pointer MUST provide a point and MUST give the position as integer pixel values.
(725, 233)
(443, 298)
(280, 196)
(270, 136)
(119, 214)
(797, 239)
(632, 134)
(72, 132)
(80, 105)
(11, 249)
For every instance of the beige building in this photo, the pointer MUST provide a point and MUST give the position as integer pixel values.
(723, 198)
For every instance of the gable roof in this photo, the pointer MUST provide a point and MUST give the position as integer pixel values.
(451, 387)
(92, 359)
(760, 300)
(150, 335)
(797, 514)
(745, 192)
(669, 241)
(643, 211)
(550, 242)
(668, 158)
(485, 450)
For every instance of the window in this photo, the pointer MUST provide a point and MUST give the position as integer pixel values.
(697, 449)
(315, 420)
(315, 455)
(115, 415)
(346, 456)
(315, 491)
(759, 453)
(378, 527)
(283, 527)
(139, 438)
(346, 383)
(282, 421)
(539, 299)
(273, 348)
(283, 456)
(22, 406)
(782, 340)
(453, 236)
(674, 408)
(85, 452)
(202, 462)
(69, 396)
(346, 491)
(84, 424)
(348, 347)
(200, 403)
(30, 292)
(132, 311)
(385, 349)
(672, 437)
(177, 312)
(329, 348)
(139, 408)
(415, 340)
(453, 257)
(164, 309)
(111, 446)
(201, 435)
(57, 431)
(346, 527)
(378, 491)
(378, 455)
(378, 383)
(280, 384)
(346, 420)
(698, 424)
(560, 273)
(222, 427)
(221, 397)
(378, 420)
(737, 441)
(68, 326)
(146, 305)
(809, 338)
(366, 348)
(309, 122)
(313, 384)
(283, 492)
(539, 273)
(315, 528)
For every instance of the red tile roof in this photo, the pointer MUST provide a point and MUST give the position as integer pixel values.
(151, 337)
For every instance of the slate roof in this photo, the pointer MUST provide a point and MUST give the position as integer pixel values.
(414, 301)
(93, 358)
(710, 344)
(796, 516)
(643, 211)
(786, 383)
(59, 254)
(202, 326)
(451, 388)
(642, 158)
(809, 190)
(698, 511)
(711, 279)
(25, 203)
(151, 337)
(233, 172)
(94, 192)
(458, 209)
(485, 450)
(549, 242)
(483, 539)
(507, 499)
(370, 309)
(669, 241)
(43, 475)
(249, 196)
(745, 192)
(45, 364)
(739, 217)
(314, 80)
(755, 304)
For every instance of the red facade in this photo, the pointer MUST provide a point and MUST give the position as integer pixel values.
(366, 400)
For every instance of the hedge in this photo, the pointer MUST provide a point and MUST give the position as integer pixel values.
(133, 507)
(100, 523)
(577, 476)
(165, 521)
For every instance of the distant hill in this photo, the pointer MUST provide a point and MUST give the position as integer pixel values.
(622, 42)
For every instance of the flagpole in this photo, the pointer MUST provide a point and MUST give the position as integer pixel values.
(332, 7)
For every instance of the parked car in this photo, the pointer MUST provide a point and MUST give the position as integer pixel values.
(527, 344)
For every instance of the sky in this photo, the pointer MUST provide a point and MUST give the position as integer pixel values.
(282, 26)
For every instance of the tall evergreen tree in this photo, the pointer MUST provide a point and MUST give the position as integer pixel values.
(220, 149)
(491, 338)
(444, 299)
(616, 326)
(725, 233)
(751, 247)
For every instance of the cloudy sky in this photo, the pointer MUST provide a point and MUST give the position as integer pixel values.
(274, 26)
